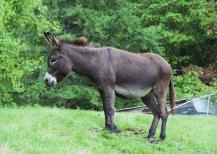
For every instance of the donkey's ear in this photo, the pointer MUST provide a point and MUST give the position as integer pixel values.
(51, 39)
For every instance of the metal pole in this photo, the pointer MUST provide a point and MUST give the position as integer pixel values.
(207, 112)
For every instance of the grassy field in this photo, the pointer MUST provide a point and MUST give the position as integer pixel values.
(58, 131)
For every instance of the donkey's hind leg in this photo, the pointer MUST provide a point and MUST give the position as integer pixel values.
(160, 92)
(150, 101)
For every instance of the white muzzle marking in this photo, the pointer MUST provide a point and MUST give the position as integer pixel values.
(51, 80)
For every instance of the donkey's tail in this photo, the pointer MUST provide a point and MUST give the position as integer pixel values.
(172, 97)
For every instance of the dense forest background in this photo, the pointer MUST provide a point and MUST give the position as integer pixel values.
(182, 31)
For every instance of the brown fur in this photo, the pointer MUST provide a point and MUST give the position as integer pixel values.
(80, 41)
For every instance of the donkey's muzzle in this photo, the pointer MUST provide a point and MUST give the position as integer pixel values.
(50, 80)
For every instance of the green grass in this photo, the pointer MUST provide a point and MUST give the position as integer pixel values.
(58, 131)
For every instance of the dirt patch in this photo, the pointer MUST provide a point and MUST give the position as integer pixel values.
(132, 132)
(124, 132)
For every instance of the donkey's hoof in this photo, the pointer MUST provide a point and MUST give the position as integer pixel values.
(151, 139)
(113, 131)
(162, 137)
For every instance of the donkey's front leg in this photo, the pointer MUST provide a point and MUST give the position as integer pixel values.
(108, 99)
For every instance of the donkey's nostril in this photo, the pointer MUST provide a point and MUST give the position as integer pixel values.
(46, 80)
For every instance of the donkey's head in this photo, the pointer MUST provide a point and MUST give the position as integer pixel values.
(58, 64)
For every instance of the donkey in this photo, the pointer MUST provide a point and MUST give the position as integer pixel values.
(146, 76)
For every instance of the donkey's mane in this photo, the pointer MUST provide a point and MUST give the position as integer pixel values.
(81, 47)
(81, 42)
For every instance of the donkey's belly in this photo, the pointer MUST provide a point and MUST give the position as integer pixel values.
(131, 92)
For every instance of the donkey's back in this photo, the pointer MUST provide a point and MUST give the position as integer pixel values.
(137, 74)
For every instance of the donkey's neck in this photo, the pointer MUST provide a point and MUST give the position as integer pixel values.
(84, 59)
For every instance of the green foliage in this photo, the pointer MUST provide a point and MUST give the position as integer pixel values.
(183, 32)
(177, 30)
(170, 28)
(117, 26)
(186, 28)
(189, 85)
(22, 24)
(85, 97)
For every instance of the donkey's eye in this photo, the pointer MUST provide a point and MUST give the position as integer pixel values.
(53, 61)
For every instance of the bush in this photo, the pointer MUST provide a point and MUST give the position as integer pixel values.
(189, 85)
(183, 32)
(21, 26)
